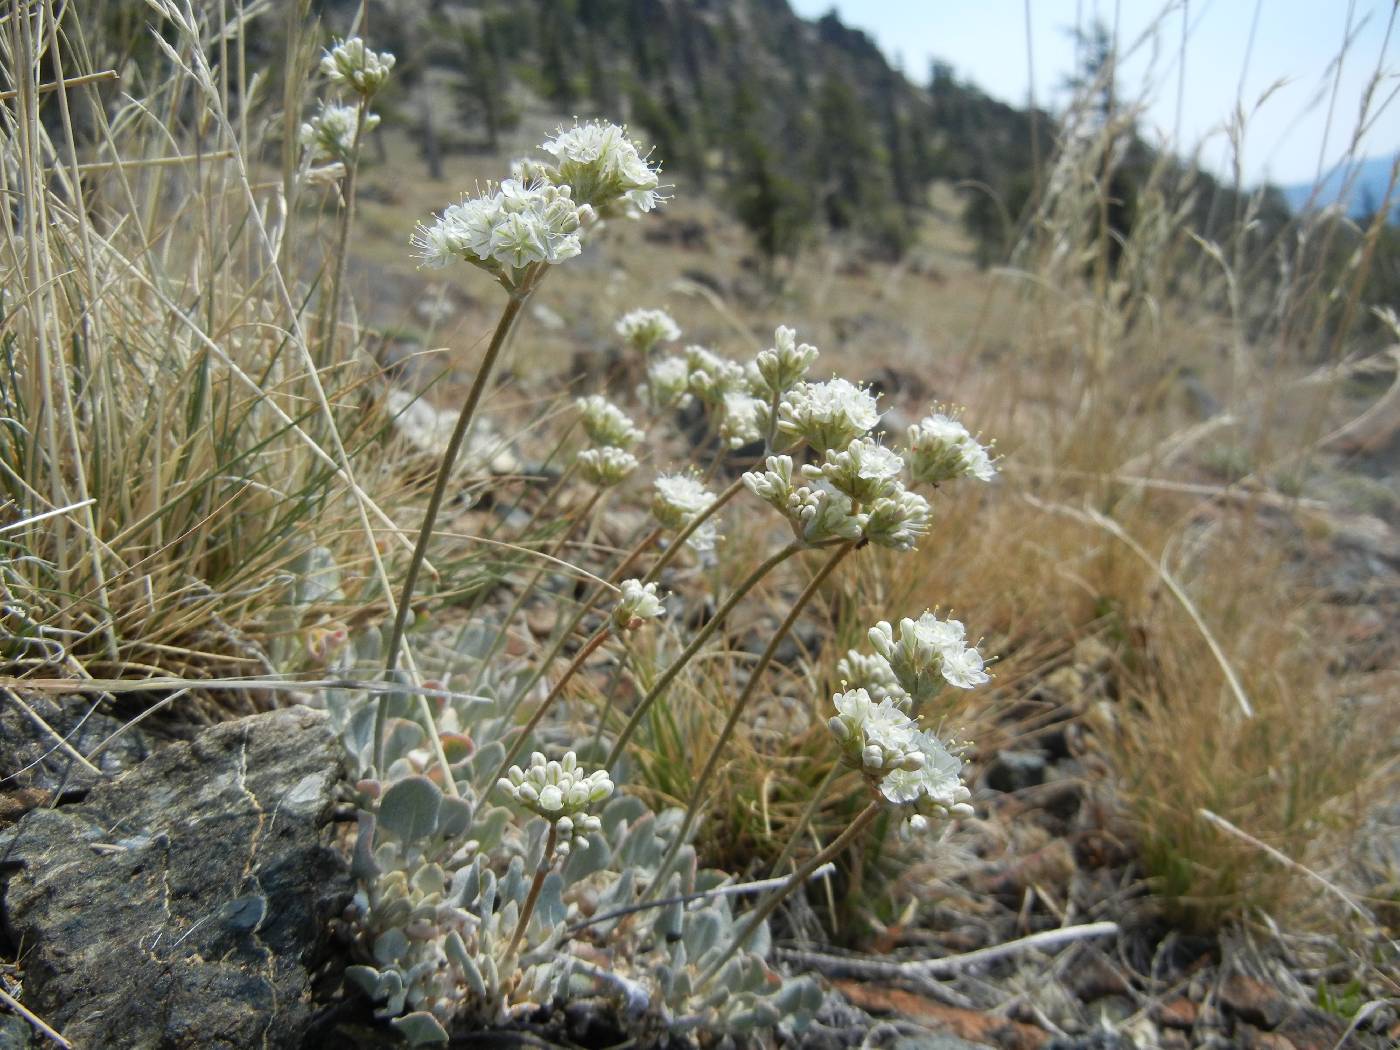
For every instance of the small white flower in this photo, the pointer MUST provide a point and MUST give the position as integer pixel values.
(819, 514)
(925, 650)
(963, 668)
(604, 166)
(941, 449)
(875, 738)
(827, 415)
(667, 384)
(506, 230)
(871, 672)
(773, 485)
(561, 792)
(741, 423)
(606, 424)
(645, 330)
(330, 134)
(865, 470)
(639, 602)
(780, 368)
(678, 499)
(935, 786)
(351, 64)
(711, 376)
(606, 466)
(898, 521)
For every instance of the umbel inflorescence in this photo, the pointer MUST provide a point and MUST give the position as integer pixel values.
(491, 890)
(540, 215)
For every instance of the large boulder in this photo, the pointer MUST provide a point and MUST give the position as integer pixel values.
(186, 903)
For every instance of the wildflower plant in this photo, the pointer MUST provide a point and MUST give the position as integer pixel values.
(480, 875)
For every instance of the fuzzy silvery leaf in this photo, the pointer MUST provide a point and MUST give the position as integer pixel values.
(390, 946)
(466, 883)
(486, 898)
(391, 993)
(488, 756)
(759, 1015)
(536, 832)
(640, 848)
(582, 863)
(429, 879)
(358, 735)
(670, 920)
(455, 817)
(489, 829)
(456, 950)
(362, 863)
(702, 932)
(365, 978)
(317, 578)
(408, 809)
(621, 810)
(550, 909)
(420, 1028)
(512, 887)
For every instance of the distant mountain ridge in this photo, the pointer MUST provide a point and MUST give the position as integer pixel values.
(796, 124)
(1360, 187)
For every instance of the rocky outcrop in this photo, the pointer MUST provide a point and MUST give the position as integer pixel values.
(185, 904)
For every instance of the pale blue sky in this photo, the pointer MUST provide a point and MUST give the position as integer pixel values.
(1294, 42)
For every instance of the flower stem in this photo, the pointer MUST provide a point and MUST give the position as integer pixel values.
(701, 637)
(798, 877)
(697, 793)
(807, 814)
(347, 219)
(670, 553)
(425, 532)
(536, 884)
(545, 566)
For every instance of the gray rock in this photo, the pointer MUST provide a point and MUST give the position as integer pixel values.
(34, 766)
(15, 1033)
(185, 904)
(1013, 770)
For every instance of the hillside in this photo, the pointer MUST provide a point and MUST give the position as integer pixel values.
(797, 125)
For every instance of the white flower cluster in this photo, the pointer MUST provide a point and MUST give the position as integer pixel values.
(677, 500)
(935, 786)
(639, 602)
(606, 424)
(782, 366)
(910, 766)
(667, 384)
(352, 65)
(822, 512)
(538, 215)
(876, 737)
(605, 467)
(871, 672)
(713, 377)
(330, 135)
(941, 449)
(925, 653)
(506, 230)
(827, 415)
(604, 167)
(561, 792)
(865, 470)
(645, 330)
(742, 419)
